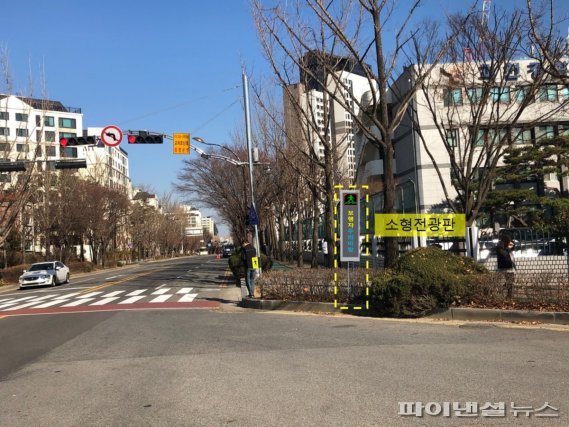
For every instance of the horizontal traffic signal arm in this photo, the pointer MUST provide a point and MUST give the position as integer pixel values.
(71, 164)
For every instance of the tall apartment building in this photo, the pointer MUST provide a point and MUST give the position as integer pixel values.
(453, 91)
(208, 225)
(311, 96)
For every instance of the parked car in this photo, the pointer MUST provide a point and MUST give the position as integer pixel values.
(228, 250)
(203, 250)
(49, 273)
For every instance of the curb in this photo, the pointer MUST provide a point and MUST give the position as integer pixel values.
(497, 315)
(466, 314)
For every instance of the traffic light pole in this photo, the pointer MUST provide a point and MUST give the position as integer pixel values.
(250, 158)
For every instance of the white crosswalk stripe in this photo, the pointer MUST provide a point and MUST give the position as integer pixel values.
(78, 302)
(156, 295)
(133, 299)
(161, 298)
(104, 301)
(51, 303)
(188, 298)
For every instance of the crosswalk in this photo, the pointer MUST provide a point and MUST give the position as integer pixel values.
(99, 298)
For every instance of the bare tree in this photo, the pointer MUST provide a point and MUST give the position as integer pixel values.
(353, 32)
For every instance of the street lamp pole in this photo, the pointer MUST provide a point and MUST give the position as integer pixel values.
(250, 158)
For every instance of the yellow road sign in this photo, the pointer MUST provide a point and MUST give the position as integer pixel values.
(428, 225)
(255, 262)
(181, 143)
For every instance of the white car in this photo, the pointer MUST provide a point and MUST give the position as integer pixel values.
(49, 273)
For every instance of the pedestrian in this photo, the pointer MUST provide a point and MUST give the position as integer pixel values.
(249, 258)
(325, 253)
(506, 263)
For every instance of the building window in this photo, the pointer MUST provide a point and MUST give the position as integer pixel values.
(22, 132)
(69, 135)
(452, 137)
(547, 93)
(474, 94)
(50, 136)
(520, 93)
(4, 131)
(563, 129)
(544, 132)
(50, 151)
(22, 148)
(4, 115)
(38, 151)
(500, 94)
(453, 97)
(521, 136)
(67, 123)
(564, 93)
(4, 146)
(21, 117)
(481, 135)
(49, 121)
(69, 152)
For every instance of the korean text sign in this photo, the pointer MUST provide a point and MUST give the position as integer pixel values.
(427, 225)
(350, 225)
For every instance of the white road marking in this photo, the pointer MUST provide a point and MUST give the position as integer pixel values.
(112, 294)
(15, 301)
(28, 304)
(137, 292)
(89, 295)
(188, 298)
(66, 296)
(184, 291)
(161, 286)
(114, 277)
(104, 301)
(132, 300)
(161, 298)
(44, 297)
(161, 291)
(78, 302)
(51, 303)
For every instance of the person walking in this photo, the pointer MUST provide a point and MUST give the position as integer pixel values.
(250, 261)
(506, 263)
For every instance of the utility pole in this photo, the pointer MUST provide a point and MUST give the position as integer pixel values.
(250, 156)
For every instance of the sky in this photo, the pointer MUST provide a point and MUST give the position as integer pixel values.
(168, 66)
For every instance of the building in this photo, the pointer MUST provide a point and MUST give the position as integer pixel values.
(440, 122)
(30, 130)
(208, 225)
(315, 101)
(107, 165)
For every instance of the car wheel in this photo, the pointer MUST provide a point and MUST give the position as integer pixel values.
(67, 278)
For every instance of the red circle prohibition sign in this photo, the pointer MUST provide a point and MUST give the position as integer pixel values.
(109, 136)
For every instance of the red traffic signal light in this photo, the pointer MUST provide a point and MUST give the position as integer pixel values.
(144, 137)
(81, 140)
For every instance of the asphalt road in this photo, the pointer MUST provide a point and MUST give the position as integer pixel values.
(229, 366)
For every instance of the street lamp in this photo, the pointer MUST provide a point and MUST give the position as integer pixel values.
(202, 141)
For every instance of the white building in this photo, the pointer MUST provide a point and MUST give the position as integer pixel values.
(30, 130)
(454, 92)
(208, 225)
(338, 128)
(107, 165)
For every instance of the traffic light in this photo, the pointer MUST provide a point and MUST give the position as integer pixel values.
(145, 137)
(71, 164)
(81, 140)
(8, 166)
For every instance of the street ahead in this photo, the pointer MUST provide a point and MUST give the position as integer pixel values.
(228, 366)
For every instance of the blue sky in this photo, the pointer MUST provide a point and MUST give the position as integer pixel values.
(168, 66)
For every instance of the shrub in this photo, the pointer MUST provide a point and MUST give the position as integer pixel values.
(422, 281)
(10, 275)
(238, 269)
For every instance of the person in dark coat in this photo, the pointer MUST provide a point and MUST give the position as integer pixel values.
(248, 252)
(506, 263)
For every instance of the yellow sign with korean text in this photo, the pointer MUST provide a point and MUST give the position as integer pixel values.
(181, 143)
(427, 225)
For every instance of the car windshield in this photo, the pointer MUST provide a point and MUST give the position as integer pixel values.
(42, 266)
(229, 248)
